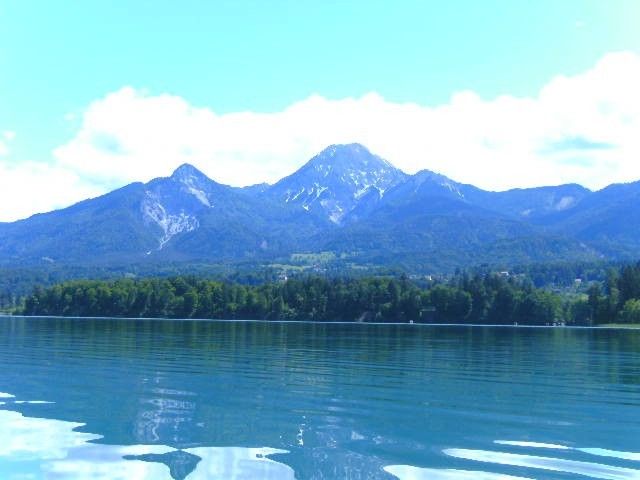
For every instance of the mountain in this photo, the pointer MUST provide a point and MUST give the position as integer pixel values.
(184, 217)
(533, 203)
(432, 221)
(109, 227)
(609, 219)
(336, 181)
(426, 185)
(346, 202)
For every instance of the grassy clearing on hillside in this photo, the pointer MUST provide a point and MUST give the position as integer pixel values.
(313, 258)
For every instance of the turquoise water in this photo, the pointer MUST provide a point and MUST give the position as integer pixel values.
(119, 399)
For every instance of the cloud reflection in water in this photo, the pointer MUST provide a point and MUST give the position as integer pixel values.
(37, 448)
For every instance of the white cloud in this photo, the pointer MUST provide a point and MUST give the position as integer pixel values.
(30, 187)
(582, 128)
(592, 118)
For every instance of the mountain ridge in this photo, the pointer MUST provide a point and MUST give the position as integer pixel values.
(344, 200)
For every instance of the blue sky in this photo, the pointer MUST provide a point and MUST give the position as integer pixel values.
(57, 58)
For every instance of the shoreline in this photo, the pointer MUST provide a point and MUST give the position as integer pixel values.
(238, 320)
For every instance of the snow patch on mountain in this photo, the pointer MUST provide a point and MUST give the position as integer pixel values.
(336, 214)
(453, 188)
(290, 198)
(565, 202)
(318, 189)
(193, 182)
(337, 180)
(359, 193)
(171, 224)
(190, 182)
(323, 169)
(201, 196)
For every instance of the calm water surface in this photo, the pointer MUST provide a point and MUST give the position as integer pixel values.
(119, 399)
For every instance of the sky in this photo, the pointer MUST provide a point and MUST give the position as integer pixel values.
(499, 93)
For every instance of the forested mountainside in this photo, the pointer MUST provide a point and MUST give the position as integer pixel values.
(345, 202)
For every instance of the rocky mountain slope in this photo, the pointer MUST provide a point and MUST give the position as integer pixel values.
(345, 200)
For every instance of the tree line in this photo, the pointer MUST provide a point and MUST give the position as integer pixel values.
(617, 299)
(490, 298)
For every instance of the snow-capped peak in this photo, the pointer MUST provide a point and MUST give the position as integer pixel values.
(336, 180)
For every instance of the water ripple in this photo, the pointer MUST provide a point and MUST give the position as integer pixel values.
(407, 472)
(336, 401)
(594, 470)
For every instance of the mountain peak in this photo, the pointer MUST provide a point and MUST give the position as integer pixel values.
(337, 179)
(185, 171)
(349, 155)
(355, 148)
(428, 175)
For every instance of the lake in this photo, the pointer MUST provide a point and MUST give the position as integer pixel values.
(161, 399)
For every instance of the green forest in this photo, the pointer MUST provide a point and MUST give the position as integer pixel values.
(477, 297)
(617, 299)
(468, 298)
(472, 299)
(17, 283)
